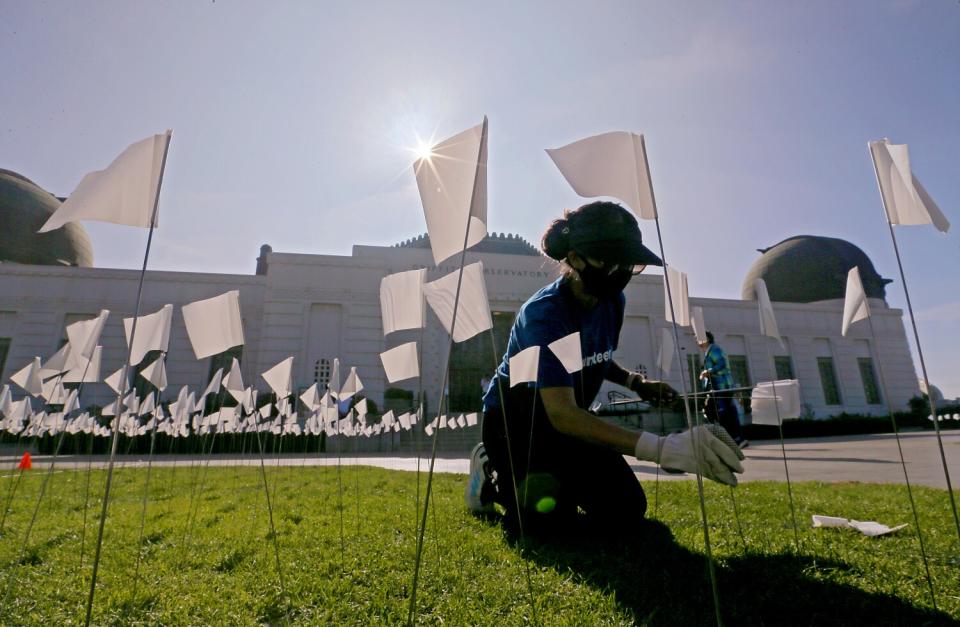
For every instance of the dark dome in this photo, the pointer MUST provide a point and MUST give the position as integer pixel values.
(808, 268)
(502, 243)
(24, 207)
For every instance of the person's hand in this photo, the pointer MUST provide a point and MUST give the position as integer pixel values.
(680, 451)
(721, 434)
(654, 392)
(705, 374)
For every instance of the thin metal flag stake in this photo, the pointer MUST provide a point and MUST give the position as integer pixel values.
(903, 464)
(124, 380)
(783, 447)
(686, 407)
(146, 489)
(343, 542)
(923, 363)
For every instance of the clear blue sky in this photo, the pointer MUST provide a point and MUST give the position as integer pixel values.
(291, 121)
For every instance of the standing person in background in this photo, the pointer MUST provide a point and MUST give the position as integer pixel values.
(715, 378)
(542, 451)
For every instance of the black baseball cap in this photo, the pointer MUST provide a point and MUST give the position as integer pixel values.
(613, 241)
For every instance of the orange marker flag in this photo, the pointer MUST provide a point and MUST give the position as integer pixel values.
(25, 462)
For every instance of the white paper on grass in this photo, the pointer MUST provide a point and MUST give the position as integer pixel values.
(768, 322)
(86, 370)
(401, 362)
(280, 378)
(904, 198)
(453, 191)
(770, 397)
(524, 366)
(680, 296)
(123, 193)
(214, 325)
(156, 373)
(28, 377)
(567, 350)
(401, 301)
(351, 386)
(473, 307)
(667, 348)
(610, 164)
(867, 528)
(855, 305)
(153, 333)
(699, 327)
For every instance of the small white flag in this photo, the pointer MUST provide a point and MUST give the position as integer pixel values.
(679, 294)
(310, 398)
(28, 378)
(214, 386)
(156, 373)
(124, 193)
(401, 301)
(904, 198)
(85, 370)
(351, 386)
(280, 378)
(118, 380)
(59, 363)
(233, 382)
(699, 327)
(525, 365)
(855, 305)
(611, 164)
(667, 348)
(768, 322)
(567, 350)
(472, 419)
(214, 325)
(401, 363)
(453, 191)
(773, 399)
(473, 307)
(85, 334)
(153, 333)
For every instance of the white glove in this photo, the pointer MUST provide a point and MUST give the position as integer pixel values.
(678, 450)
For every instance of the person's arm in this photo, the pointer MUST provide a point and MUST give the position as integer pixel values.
(655, 392)
(567, 418)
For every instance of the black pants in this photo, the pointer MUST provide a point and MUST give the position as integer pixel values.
(555, 475)
(724, 411)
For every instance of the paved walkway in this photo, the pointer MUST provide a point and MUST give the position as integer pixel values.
(867, 458)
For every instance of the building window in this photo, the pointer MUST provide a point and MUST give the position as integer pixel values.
(828, 380)
(4, 351)
(869, 378)
(472, 362)
(321, 373)
(224, 360)
(783, 366)
(739, 369)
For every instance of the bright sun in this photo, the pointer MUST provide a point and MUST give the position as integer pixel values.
(423, 150)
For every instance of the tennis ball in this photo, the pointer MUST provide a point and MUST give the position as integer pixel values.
(546, 504)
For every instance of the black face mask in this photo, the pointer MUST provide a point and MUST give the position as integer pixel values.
(601, 283)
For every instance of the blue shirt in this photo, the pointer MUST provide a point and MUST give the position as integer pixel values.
(549, 315)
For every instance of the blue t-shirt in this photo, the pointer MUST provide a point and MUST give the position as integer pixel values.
(549, 315)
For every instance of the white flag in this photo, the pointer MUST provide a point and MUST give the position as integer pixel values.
(156, 373)
(118, 380)
(124, 193)
(525, 365)
(667, 348)
(453, 191)
(768, 322)
(610, 164)
(680, 296)
(214, 386)
(401, 363)
(28, 377)
(85, 370)
(214, 325)
(153, 333)
(401, 301)
(471, 419)
(904, 198)
(351, 386)
(855, 305)
(473, 308)
(280, 378)
(567, 350)
(85, 335)
(773, 399)
(310, 398)
(233, 382)
(699, 327)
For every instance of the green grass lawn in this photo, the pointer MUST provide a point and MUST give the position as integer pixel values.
(221, 569)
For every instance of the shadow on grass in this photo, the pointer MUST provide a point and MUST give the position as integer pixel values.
(660, 582)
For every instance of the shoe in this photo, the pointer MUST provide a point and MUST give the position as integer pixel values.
(479, 483)
(743, 443)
